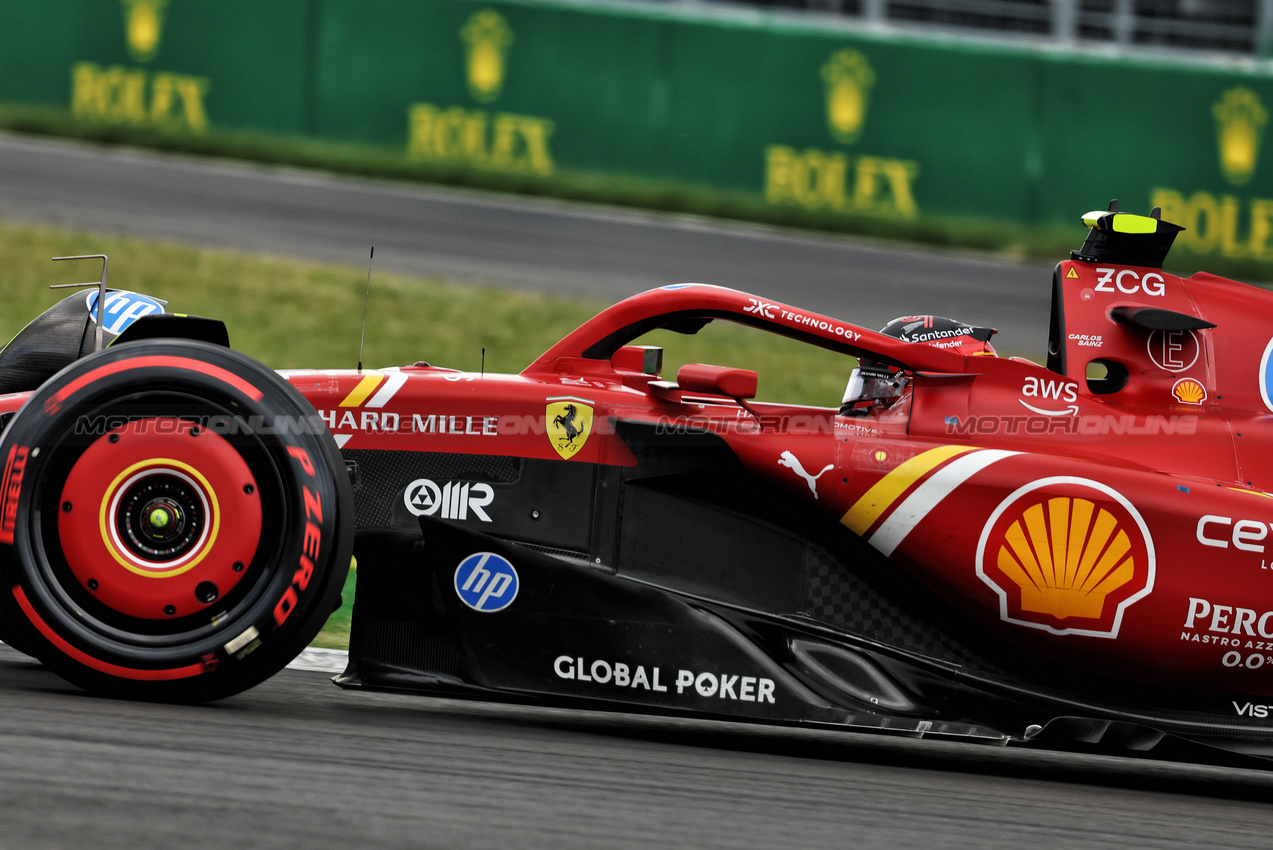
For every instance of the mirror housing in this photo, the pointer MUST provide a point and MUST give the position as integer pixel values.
(717, 380)
(643, 359)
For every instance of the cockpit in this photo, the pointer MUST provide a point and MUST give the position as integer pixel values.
(874, 384)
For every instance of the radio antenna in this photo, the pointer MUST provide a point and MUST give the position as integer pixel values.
(366, 296)
(483, 361)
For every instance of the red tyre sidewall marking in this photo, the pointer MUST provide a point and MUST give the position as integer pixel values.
(10, 489)
(54, 403)
(311, 546)
(97, 664)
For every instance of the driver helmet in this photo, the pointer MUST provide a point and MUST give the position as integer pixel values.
(881, 383)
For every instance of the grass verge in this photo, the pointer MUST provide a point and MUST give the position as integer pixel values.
(335, 634)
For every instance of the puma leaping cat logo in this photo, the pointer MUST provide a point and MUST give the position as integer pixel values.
(789, 460)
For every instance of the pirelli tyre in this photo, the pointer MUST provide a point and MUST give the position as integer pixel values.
(176, 522)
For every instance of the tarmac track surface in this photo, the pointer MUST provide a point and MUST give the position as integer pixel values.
(599, 252)
(297, 762)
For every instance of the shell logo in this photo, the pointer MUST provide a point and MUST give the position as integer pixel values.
(848, 77)
(143, 26)
(487, 36)
(1189, 391)
(1066, 555)
(1240, 119)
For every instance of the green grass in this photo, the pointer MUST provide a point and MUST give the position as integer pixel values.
(335, 634)
(291, 314)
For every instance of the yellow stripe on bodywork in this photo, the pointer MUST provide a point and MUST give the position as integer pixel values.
(365, 388)
(1252, 492)
(883, 493)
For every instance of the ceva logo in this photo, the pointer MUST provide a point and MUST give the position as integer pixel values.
(486, 582)
(122, 309)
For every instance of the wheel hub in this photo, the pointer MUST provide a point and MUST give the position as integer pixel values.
(159, 517)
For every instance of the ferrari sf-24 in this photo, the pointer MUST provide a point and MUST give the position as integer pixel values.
(970, 546)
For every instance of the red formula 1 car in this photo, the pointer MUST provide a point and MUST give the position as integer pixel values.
(975, 547)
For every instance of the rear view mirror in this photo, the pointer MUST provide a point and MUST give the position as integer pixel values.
(717, 380)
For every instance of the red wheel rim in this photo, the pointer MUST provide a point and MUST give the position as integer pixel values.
(159, 519)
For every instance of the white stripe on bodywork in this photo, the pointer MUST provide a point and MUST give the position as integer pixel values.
(382, 396)
(928, 495)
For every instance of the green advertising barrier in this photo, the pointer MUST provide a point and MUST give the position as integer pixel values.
(798, 115)
(179, 65)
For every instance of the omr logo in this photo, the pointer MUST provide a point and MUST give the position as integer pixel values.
(1066, 555)
(122, 309)
(454, 500)
(486, 582)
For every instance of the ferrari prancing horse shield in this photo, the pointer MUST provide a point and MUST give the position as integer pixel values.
(569, 424)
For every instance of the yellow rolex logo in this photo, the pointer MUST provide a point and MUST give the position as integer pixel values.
(143, 26)
(848, 77)
(1240, 119)
(487, 36)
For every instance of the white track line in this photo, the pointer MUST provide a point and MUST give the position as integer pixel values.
(321, 660)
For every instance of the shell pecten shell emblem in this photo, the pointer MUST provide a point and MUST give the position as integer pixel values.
(1066, 555)
(1189, 391)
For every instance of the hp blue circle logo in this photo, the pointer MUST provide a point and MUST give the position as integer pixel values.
(486, 582)
(123, 308)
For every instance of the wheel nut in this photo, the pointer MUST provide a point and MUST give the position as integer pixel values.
(114, 438)
(66, 507)
(249, 489)
(170, 610)
(92, 584)
(206, 592)
(238, 566)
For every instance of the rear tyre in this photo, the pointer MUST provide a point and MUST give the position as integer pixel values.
(175, 522)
